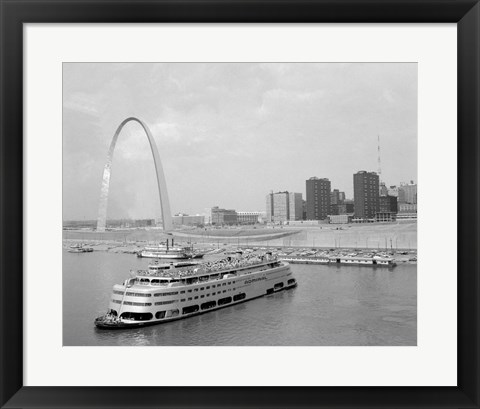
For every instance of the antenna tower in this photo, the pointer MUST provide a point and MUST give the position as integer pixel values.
(379, 163)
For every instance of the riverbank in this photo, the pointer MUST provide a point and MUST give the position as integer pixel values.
(401, 235)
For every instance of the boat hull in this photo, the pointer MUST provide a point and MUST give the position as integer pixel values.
(126, 324)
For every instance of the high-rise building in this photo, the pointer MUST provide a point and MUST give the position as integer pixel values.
(407, 193)
(318, 198)
(366, 194)
(388, 204)
(335, 197)
(383, 189)
(295, 206)
(345, 208)
(281, 207)
(341, 197)
(392, 191)
(269, 206)
(284, 206)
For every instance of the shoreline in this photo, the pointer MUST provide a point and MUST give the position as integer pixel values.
(400, 255)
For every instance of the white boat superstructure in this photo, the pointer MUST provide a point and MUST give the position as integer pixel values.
(169, 251)
(168, 292)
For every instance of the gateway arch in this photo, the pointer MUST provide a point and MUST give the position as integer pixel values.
(162, 186)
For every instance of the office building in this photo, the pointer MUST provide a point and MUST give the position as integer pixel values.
(388, 204)
(407, 193)
(335, 197)
(392, 191)
(340, 219)
(383, 189)
(318, 198)
(181, 219)
(295, 206)
(345, 208)
(248, 217)
(220, 217)
(284, 206)
(366, 194)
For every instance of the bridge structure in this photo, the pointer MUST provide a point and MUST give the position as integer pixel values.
(107, 171)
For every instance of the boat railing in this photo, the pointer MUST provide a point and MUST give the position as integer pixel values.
(219, 267)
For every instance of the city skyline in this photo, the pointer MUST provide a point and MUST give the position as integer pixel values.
(230, 133)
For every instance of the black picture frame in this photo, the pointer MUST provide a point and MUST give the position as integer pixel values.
(14, 13)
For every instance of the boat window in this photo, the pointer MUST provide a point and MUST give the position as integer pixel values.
(208, 287)
(137, 304)
(190, 309)
(189, 291)
(203, 288)
(278, 285)
(183, 299)
(173, 313)
(138, 294)
(182, 292)
(196, 289)
(224, 291)
(155, 282)
(160, 314)
(291, 281)
(223, 301)
(165, 294)
(196, 297)
(239, 297)
(165, 302)
(137, 316)
(202, 296)
(209, 304)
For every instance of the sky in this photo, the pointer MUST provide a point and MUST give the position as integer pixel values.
(229, 133)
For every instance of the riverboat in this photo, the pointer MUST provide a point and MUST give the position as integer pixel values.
(169, 251)
(167, 292)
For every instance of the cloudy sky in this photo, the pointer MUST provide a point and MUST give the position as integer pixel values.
(230, 133)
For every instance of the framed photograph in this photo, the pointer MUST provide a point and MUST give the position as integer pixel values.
(239, 204)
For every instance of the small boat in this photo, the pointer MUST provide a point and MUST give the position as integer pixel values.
(79, 248)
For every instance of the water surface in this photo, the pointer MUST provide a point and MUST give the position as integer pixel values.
(332, 305)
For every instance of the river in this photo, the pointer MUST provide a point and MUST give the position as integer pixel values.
(332, 305)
